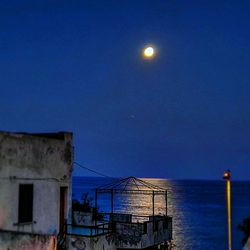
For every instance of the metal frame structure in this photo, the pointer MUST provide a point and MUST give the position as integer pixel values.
(132, 185)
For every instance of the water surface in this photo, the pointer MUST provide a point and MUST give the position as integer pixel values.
(197, 207)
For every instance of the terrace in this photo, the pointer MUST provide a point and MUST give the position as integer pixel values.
(127, 230)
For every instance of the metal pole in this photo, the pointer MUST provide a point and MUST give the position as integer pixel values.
(96, 199)
(166, 201)
(227, 177)
(153, 201)
(112, 203)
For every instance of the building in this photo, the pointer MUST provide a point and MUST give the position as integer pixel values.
(35, 189)
(36, 205)
(120, 231)
(247, 245)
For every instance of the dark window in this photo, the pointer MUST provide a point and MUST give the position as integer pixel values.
(25, 208)
(165, 223)
(145, 227)
(156, 224)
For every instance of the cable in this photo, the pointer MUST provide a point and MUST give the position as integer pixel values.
(93, 171)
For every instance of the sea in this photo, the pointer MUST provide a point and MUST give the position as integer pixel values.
(198, 208)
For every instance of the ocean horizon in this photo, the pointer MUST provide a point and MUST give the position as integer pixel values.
(198, 208)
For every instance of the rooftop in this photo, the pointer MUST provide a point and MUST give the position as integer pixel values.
(53, 135)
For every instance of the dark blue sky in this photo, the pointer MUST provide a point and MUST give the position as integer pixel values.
(76, 65)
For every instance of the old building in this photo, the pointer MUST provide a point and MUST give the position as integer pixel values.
(35, 188)
(35, 202)
(114, 230)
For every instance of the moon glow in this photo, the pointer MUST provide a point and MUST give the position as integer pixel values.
(148, 52)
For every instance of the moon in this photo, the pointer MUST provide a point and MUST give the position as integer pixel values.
(148, 52)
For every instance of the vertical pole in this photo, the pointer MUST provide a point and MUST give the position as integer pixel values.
(166, 202)
(112, 203)
(227, 177)
(229, 215)
(96, 205)
(96, 199)
(153, 201)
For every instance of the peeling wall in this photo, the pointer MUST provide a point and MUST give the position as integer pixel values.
(132, 236)
(45, 162)
(129, 235)
(17, 241)
(247, 245)
(104, 242)
(126, 236)
(156, 237)
(25, 155)
(83, 218)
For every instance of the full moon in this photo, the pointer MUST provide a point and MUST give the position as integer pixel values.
(149, 52)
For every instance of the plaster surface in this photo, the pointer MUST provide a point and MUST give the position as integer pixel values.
(44, 161)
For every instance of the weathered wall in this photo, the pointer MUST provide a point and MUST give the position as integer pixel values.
(18, 241)
(45, 207)
(24, 155)
(83, 218)
(42, 161)
(247, 245)
(155, 237)
(132, 236)
(129, 235)
(104, 242)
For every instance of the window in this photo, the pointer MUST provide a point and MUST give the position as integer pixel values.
(63, 206)
(165, 223)
(25, 207)
(156, 224)
(145, 227)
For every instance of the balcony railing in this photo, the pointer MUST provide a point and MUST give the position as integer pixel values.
(96, 230)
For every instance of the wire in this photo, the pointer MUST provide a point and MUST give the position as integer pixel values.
(93, 171)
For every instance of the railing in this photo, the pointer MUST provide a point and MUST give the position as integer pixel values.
(142, 225)
(97, 230)
(129, 218)
(113, 220)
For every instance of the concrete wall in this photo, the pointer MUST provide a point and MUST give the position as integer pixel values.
(247, 245)
(104, 242)
(19, 241)
(132, 236)
(156, 237)
(83, 218)
(129, 235)
(44, 161)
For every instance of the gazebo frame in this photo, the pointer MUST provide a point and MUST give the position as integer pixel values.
(131, 185)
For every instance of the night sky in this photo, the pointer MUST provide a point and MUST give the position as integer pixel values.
(77, 66)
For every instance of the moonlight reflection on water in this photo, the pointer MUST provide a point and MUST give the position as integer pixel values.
(197, 207)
